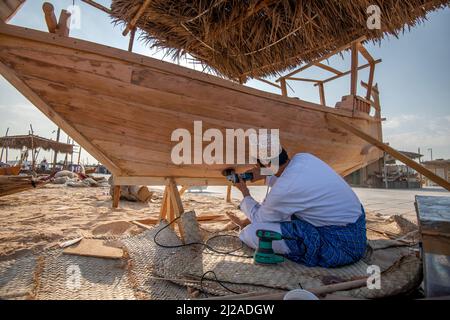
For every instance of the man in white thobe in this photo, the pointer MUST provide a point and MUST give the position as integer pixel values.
(310, 201)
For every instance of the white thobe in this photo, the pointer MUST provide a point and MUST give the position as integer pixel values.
(309, 189)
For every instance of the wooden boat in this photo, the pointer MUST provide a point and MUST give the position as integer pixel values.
(123, 107)
(15, 184)
(10, 171)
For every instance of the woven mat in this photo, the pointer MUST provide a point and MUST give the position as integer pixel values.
(150, 271)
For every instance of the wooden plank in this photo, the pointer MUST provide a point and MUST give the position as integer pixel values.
(12, 77)
(85, 46)
(394, 153)
(370, 83)
(322, 94)
(354, 69)
(94, 248)
(158, 181)
(283, 86)
(9, 8)
(164, 202)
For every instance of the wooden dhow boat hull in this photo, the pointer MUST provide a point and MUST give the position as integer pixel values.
(123, 108)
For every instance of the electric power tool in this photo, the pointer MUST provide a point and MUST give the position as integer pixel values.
(232, 176)
(264, 254)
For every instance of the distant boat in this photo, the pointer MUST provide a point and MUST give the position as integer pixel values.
(10, 171)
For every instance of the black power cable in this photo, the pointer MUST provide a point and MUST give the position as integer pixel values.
(209, 247)
(205, 244)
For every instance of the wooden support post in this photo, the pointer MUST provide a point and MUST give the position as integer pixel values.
(183, 190)
(135, 19)
(228, 199)
(3, 147)
(322, 94)
(50, 18)
(64, 23)
(172, 206)
(370, 82)
(60, 27)
(116, 197)
(79, 155)
(55, 157)
(283, 87)
(394, 153)
(130, 44)
(354, 69)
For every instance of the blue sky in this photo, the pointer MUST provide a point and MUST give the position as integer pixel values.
(413, 79)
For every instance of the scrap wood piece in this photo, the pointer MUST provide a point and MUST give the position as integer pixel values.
(94, 248)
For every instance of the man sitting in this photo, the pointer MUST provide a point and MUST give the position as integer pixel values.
(316, 211)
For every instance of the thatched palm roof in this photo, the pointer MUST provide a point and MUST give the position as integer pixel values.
(30, 141)
(257, 38)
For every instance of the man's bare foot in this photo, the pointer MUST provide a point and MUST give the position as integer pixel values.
(242, 223)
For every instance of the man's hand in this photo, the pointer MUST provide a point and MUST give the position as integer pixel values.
(242, 186)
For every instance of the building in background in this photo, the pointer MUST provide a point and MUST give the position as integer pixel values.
(440, 167)
(387, 173)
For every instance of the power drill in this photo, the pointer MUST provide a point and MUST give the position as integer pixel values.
(264, 254)
(232, 176)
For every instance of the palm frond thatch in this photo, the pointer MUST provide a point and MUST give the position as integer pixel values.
(258, 38)
(33, 141)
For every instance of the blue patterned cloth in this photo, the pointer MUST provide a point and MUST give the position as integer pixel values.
(329, 246)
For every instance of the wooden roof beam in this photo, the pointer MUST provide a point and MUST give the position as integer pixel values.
(366, 54)
(140, 12)
(328, 68)
(349, 72)
(269, 83)
(304, 79)
(325, 57)
(97, 5)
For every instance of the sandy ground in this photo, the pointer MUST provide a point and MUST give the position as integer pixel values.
(44, 217)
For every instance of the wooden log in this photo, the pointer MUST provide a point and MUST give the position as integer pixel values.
(394, 153)
(50, 18)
